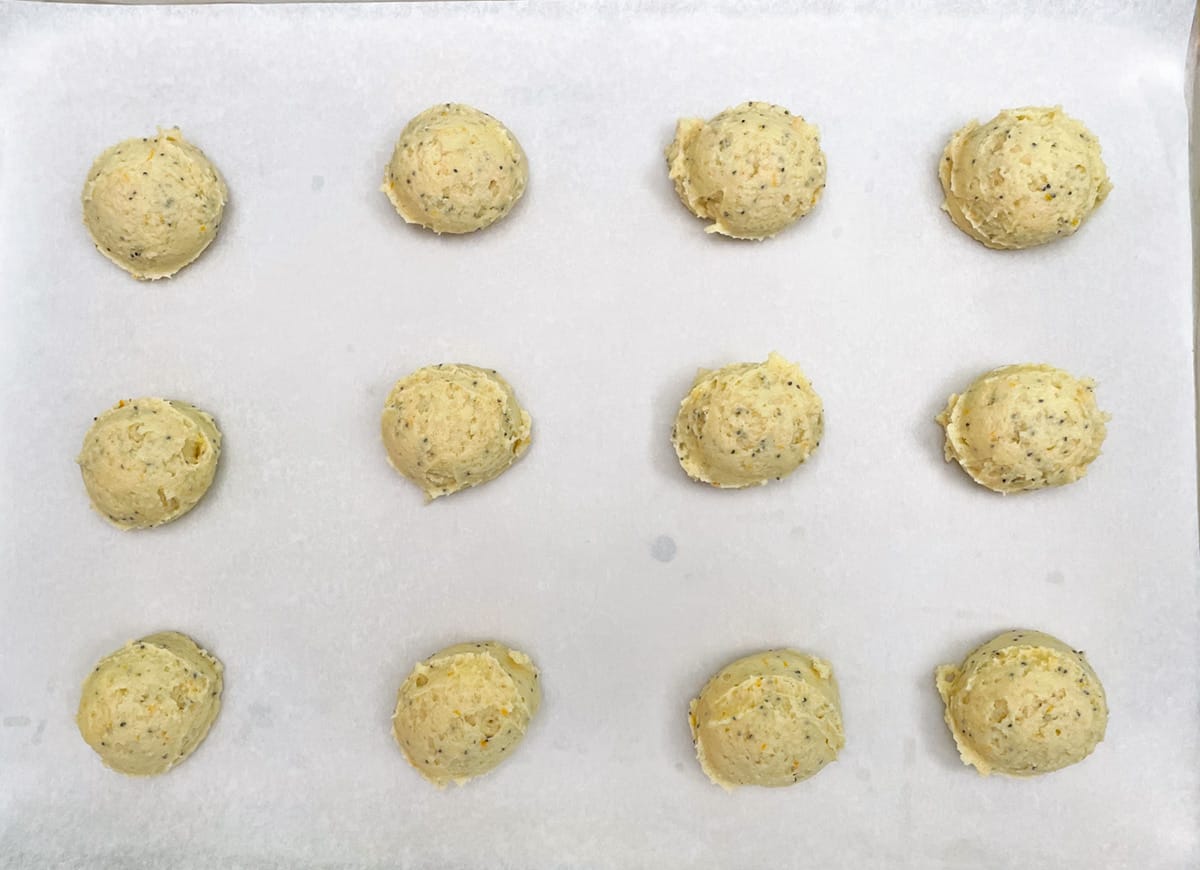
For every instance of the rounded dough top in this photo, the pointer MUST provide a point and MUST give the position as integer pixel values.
(465, 709)
(1024, 703)
(752, 170)
(455, 169)
(1026, 177)
(772, 719)
(1024, 427)
(147, 706)
(747, 423)
(448, 427)
(149, 461)
(153, 205)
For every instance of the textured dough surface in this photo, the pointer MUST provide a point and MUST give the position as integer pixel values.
(153, 205)
(747, 423)
(455, 169)
(146, 707)
(772, 719)
(448, 427)
(1026, 177)
(1024, 427)
(1024, 703)
(149, 461)
(465, 709)
(752, 170)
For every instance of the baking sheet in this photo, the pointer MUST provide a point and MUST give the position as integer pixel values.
(318, 576)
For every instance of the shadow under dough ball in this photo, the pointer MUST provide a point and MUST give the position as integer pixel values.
(153, 205)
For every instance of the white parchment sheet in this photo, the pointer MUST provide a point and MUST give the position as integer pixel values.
(319, 576)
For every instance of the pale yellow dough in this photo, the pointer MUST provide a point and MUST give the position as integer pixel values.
(149, 461)
(455, 169)
(147, 706)
(752, 170)
(153, 205)
(448, 427)
(747, 423)
(1024, 427)
(465, 709)
(1026, 177)
(773, 718)
(1023, 704)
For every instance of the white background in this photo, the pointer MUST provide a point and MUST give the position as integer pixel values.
(319, 576)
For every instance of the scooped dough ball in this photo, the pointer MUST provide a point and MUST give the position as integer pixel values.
(146, 707)
(148, 461)
(455, 169)
(773, 718)
(465, 709)
(752, 170)
(1024, 703)
(153, 205)
(747, 423)
(1026, 177)
(1024, 427)
(447, 427)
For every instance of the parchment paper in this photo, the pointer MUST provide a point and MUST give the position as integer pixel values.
(319, 576)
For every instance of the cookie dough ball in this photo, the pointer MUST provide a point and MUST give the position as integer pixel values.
(447, 427)
(465, 709)
(1026, 177)
(153, 205)
(148, 461)
(752, 170)
(1024, 427)
(773, 718)
(455, 170)
(146, 707)
(1024, 703)
(747, 423)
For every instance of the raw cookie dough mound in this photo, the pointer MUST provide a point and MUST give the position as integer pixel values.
(465, 709)
(455, 170)
(1026, 177)
(447, 427)
(746, 423)
(147, 461)
(752, 170)
(1024, 427)
(773, 718)
(1024, 703)
(153, 205)
(146, 707)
